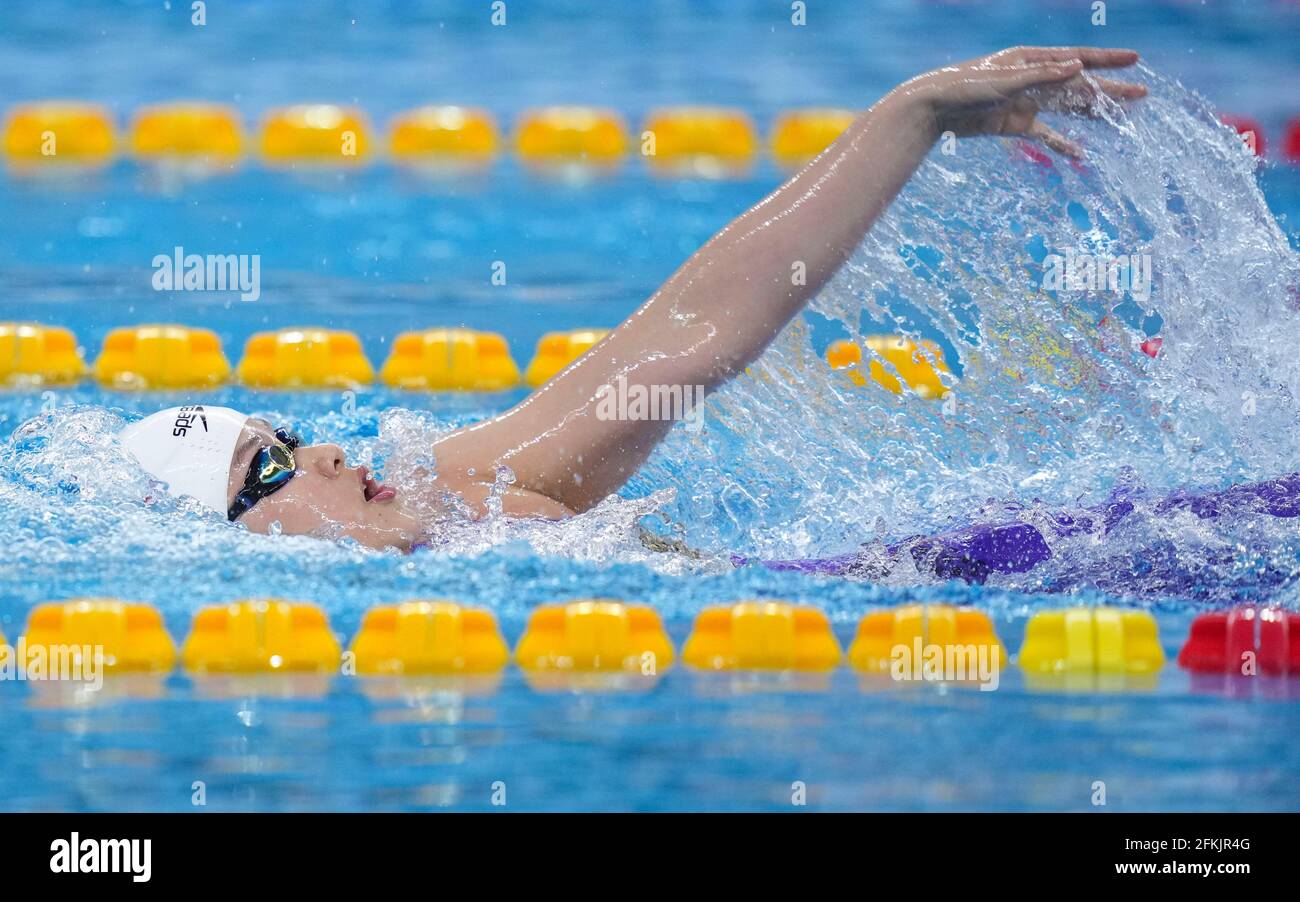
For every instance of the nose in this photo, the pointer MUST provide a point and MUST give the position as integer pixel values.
(327, 460)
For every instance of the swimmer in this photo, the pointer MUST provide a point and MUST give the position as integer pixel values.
(711, 319)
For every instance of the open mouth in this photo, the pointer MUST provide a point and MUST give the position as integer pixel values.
(375, 491)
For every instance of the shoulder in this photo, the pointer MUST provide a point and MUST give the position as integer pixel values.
(515, 501)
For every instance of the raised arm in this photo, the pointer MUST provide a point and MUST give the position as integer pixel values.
(719, 311)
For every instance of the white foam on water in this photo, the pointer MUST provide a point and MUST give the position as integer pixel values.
(1052, 405)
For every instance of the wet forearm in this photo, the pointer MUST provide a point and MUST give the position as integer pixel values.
(719, 311)
(733, 296)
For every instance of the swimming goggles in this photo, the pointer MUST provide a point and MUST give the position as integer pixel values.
(272, 468)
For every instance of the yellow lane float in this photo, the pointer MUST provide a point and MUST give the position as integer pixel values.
(305, 358)
(428, 637)
(702, 139)
(762, 635)
(1085, 646)
(566, 134)
(556, 350)
(315, 133)
(907, 358)
(434, 133)
(261, 636)
(131, 636)
(58, 131)
(799, 135)
(192, 130)
(33, 354)
(451, 359)
(161, 357)
(886, 640)
(596, 637)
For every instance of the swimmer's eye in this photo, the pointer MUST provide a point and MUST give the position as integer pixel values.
(272, 468)
(274, 464)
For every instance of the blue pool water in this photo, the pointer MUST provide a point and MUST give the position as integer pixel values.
(792, 466)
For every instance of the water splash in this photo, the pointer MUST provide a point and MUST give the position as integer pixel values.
(1054, 398)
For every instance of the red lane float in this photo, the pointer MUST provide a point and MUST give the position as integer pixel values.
(1291, 141)
(1278, 653)
(1223, 641)
(1252, 134)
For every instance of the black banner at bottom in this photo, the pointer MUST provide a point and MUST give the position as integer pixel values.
(546, 852)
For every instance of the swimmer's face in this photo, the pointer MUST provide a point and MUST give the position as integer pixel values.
(325, 497)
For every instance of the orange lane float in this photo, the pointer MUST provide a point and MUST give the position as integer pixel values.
(597, 636)
(570, 134)
(901, 639)
(59, 132)
(187, 130)
(762, 635)
(32, 354)
(320, 133)
(129, 637)
(261, 636)
(428, 637)
(432, 134)
(451, 360)
(161, 357)
(699, 140)
(305, 358)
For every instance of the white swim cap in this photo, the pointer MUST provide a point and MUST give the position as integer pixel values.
(189, 448)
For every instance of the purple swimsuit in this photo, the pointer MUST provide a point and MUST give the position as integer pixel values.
(973, 553)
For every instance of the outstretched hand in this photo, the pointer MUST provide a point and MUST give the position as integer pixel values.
(1002, 94)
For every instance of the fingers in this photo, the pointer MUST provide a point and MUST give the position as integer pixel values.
(1080, 95)
(1055, 140)
(1011, 79)
(1121, 90)
(1091, 57)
